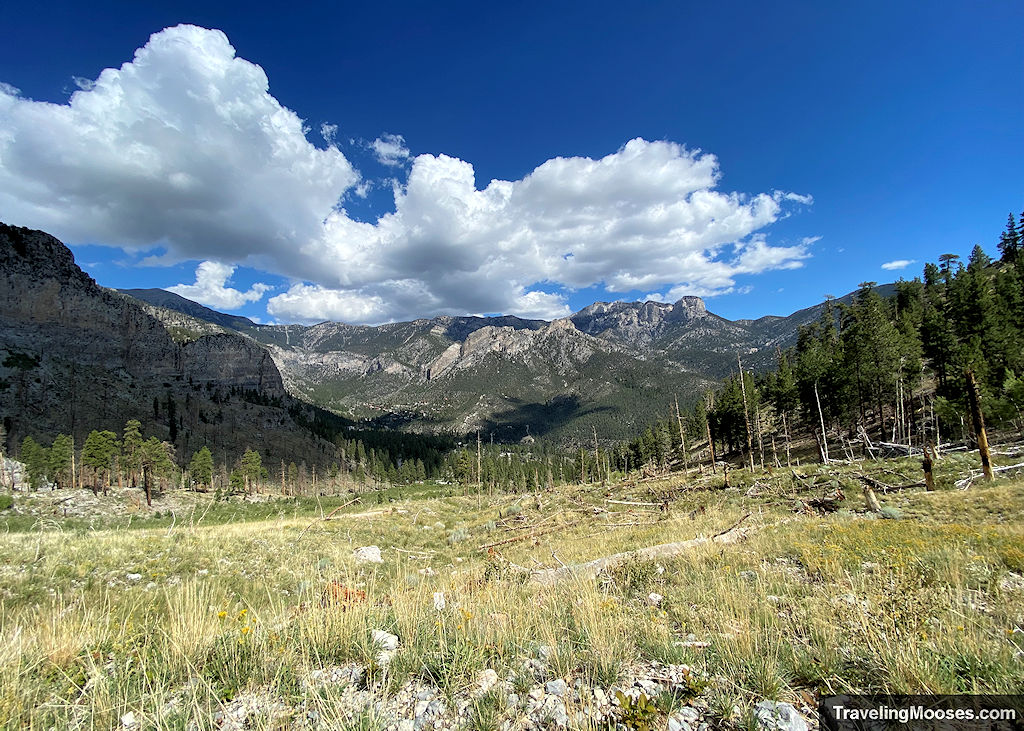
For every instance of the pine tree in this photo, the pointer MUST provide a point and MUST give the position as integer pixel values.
(201, 467)
(870, 353)
(36, 460)
(1010, 240)
(251, 467)
(131, 445)
(155, 461)
(60, 457)
(99, 453)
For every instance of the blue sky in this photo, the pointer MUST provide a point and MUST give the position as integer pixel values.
(357, 185)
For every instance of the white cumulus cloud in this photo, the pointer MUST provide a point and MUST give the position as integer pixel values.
(182, 146)
(898, 264)
(390, 150)
(185, 149)
(210, 288)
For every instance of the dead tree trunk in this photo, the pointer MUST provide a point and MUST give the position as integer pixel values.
(823, 444)
(979, 424)
(592, 569)
(927, 463)
(871, 499)
(682, 437)
(785, 427)
(711, 446)
(746, 412)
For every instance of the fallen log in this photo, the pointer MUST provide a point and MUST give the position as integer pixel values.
(520, 537)
(328, 516)
(885, 488)
(591, 569)
(638, 504)
(964, 483)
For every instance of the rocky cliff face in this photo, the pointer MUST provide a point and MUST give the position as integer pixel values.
(76, 357)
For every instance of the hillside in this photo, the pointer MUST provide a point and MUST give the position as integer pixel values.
(75, 357)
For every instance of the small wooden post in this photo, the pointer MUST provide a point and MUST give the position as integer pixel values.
(926, 464)
(871, 499)
(979, 424)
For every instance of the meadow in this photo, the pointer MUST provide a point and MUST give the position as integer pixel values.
(239, 615)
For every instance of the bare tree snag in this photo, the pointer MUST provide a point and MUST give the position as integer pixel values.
(709, 406)
(821, 449)
(785, 427)
(711, 446)
(979, 424)
(682, 437)
(746, 412)
(823, 445)
(591, 569)
(479, 473)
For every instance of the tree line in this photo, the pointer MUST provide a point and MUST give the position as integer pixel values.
(890, 369)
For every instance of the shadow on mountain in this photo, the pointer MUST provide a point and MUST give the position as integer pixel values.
(536, 419)
(398, 420)
(462, 327)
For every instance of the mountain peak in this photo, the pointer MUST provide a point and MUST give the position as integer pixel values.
(692, 303)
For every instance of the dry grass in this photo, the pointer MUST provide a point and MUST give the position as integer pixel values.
(930, 602)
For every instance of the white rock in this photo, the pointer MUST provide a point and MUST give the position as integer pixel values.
(133, 577)
(677, 724)
(368, 554)
(773, 716)
(385, 640)
(486, 680)
(439, 600)
(655, 599)
(128, 721)
(556, 687)
(687, 714)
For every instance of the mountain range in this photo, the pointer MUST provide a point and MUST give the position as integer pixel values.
(75, 356)
(607, 369)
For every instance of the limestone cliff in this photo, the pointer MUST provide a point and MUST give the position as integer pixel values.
(75, 357)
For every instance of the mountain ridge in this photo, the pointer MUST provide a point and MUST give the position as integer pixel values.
(605, 367)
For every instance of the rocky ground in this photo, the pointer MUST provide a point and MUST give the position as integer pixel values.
(530, 698)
